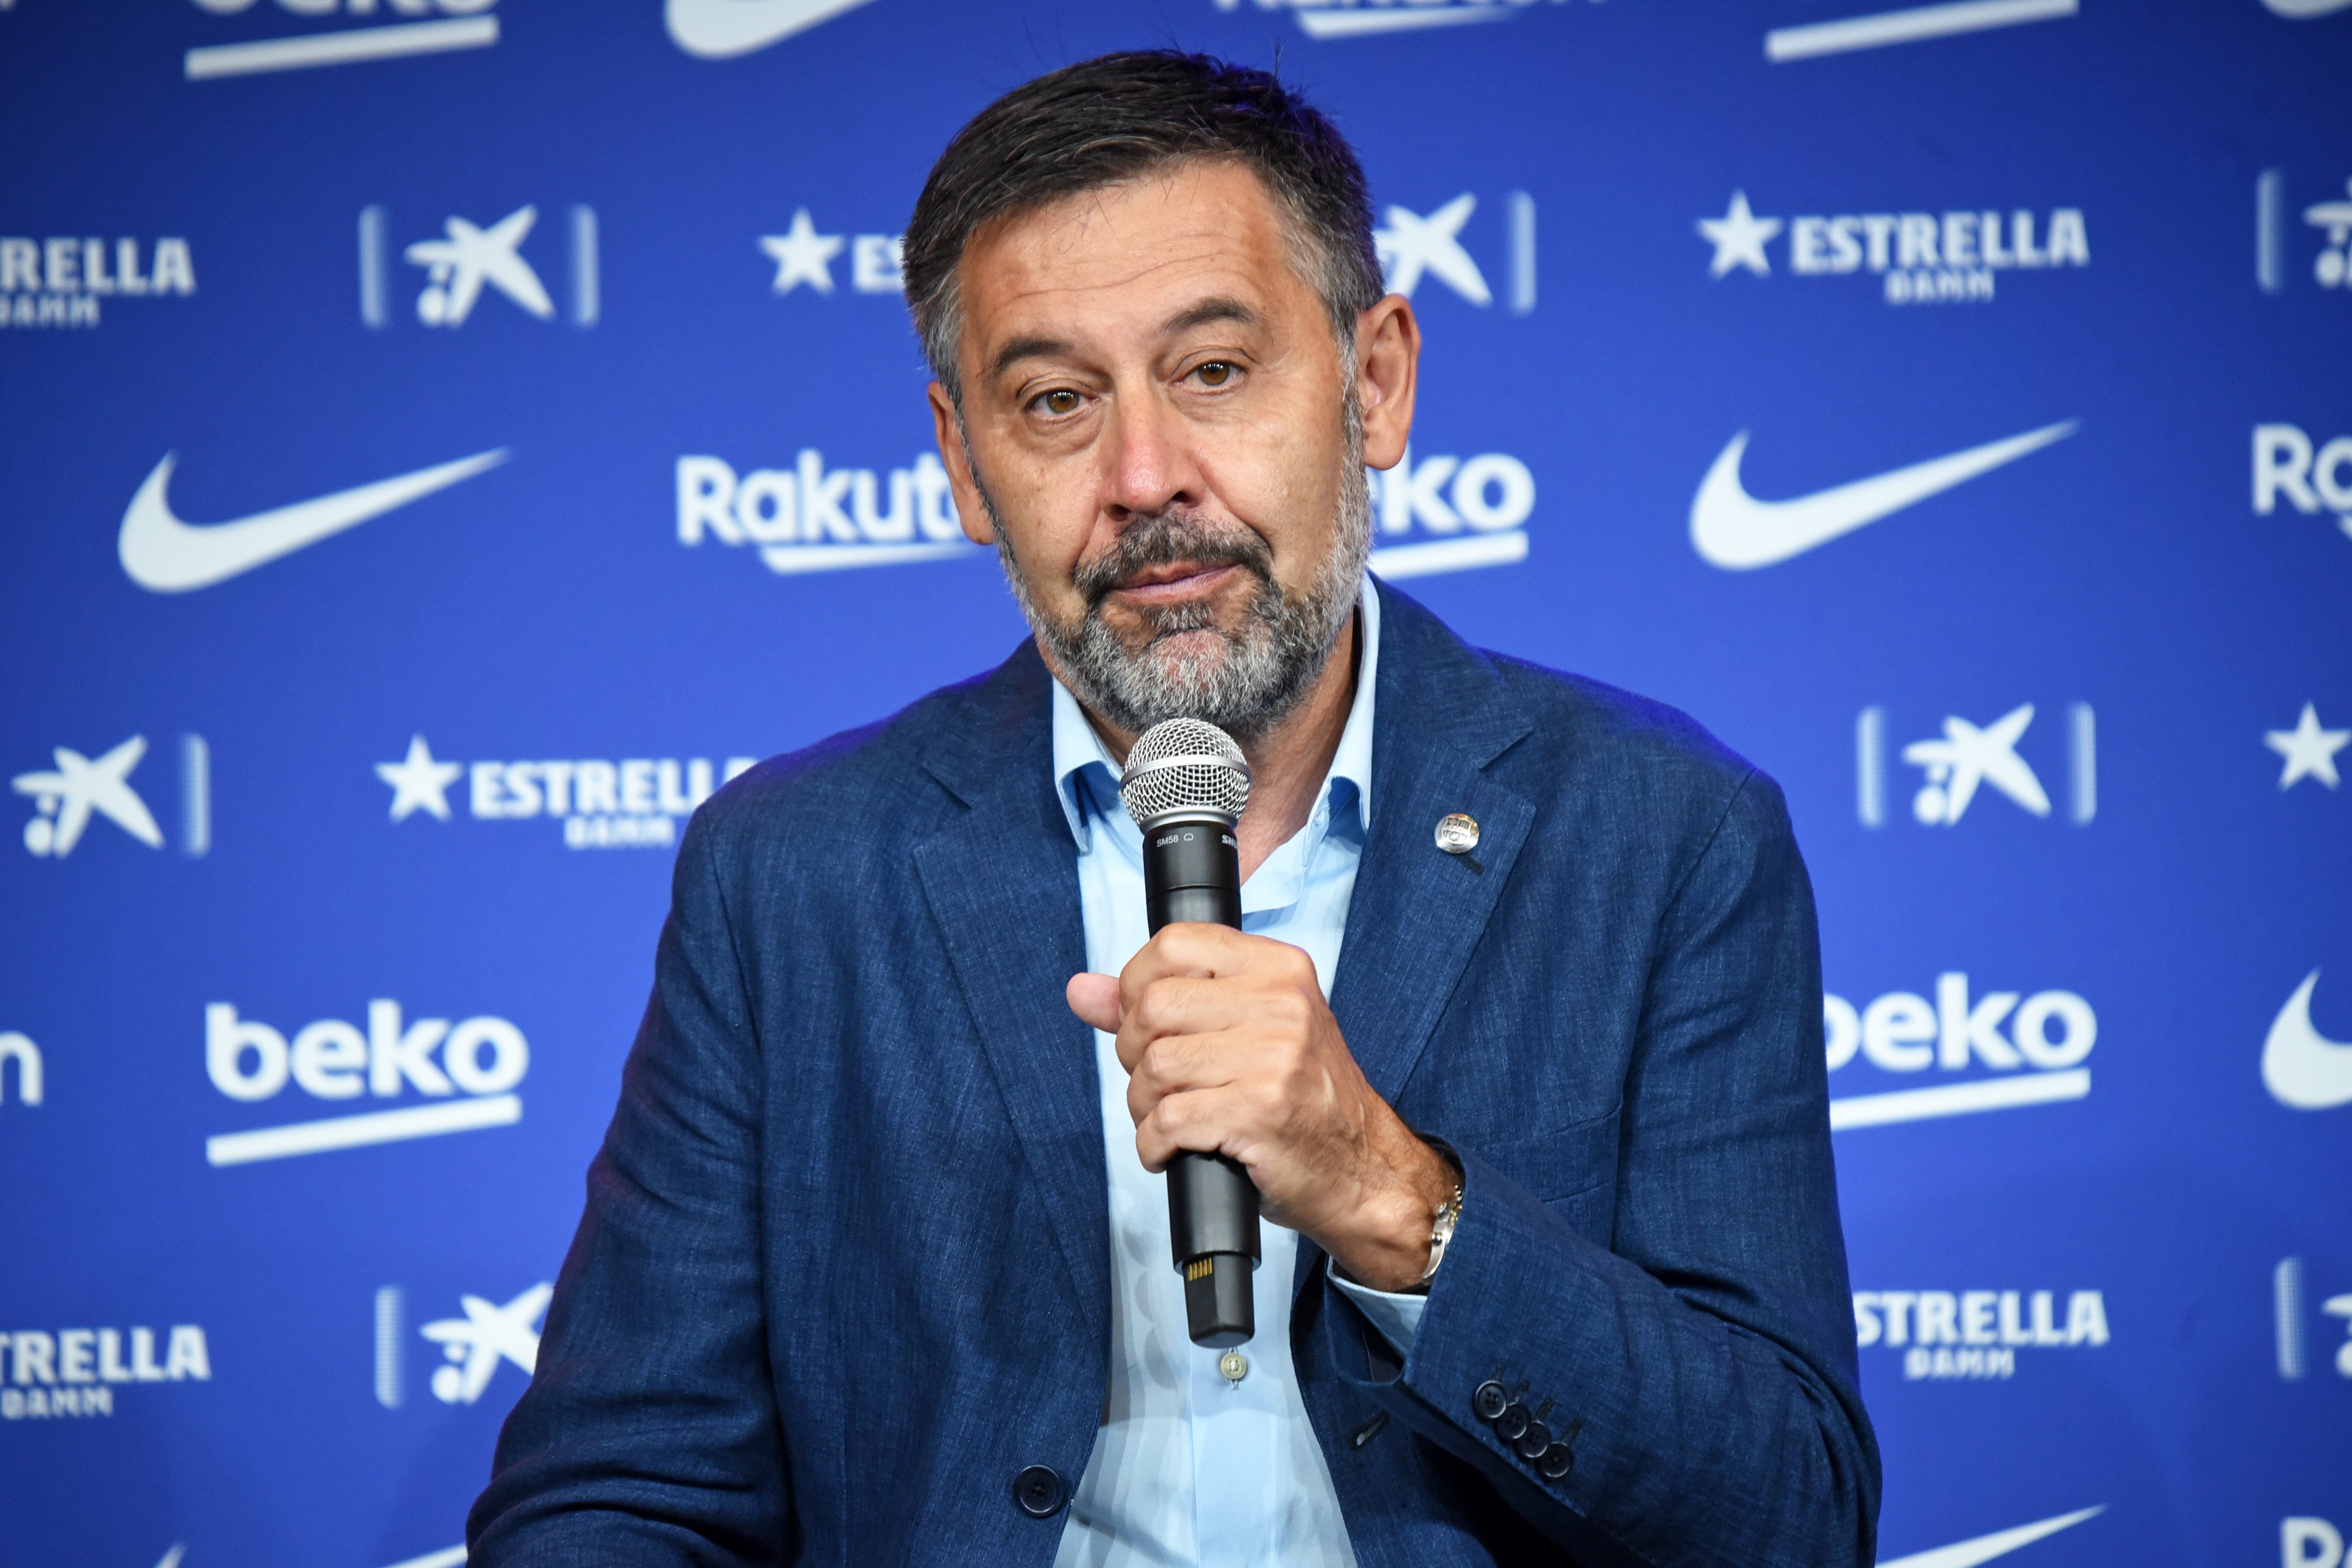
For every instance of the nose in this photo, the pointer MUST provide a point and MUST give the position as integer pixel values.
(1149, 461)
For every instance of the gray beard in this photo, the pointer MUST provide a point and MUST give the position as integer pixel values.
(1244, 682)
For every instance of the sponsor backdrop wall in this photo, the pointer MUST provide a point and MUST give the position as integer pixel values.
(441, 440)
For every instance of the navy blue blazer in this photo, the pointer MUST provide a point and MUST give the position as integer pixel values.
(843, 1272)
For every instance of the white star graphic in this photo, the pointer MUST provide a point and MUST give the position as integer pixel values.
(1412, 245)
(418, 782)
(2310, 751)
(802, 255)
(1738, 238)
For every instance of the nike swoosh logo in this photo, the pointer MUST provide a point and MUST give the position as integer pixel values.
(2301, 1067)
(1985, 1548)
(1733, 530)
(717, 29)
(168, 556)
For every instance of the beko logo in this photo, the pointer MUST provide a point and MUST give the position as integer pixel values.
(75, 1372)
(1440, 513)
(60, 282)
(1919, 258)
(460, 24)
(1974, 1334)
(468, 1070)
(2037, 1061)
(810, 517)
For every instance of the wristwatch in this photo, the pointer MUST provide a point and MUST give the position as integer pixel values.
(1449, 1214)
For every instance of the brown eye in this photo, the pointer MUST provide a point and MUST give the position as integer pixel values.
(1216, 372)
(1059, 402)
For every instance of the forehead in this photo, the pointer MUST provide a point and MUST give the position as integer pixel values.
(1131, 254)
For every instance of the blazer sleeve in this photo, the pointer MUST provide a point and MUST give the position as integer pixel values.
(1700, 1369)
(649, 1434)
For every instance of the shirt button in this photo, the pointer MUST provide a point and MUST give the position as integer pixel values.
(1039, 1491)
(1234, 1365)
(1490, 1400)
(1512, 1423)
(1532, 1442)
(1556, 1462)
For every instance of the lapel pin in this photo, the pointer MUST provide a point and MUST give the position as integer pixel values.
(1458, 834)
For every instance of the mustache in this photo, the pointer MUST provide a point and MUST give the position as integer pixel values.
(1166, 539)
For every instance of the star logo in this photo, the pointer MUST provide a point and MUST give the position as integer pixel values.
(418, 782)
(2310, 751)
(1410, 245)
(803, 254)
(1738, 238)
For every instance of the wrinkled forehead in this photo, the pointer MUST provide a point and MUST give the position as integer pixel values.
(1128, 256)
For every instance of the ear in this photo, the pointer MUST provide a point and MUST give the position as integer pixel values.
(947, 430)
(1388, 367)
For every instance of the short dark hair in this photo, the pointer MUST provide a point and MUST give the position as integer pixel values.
(1116, 117)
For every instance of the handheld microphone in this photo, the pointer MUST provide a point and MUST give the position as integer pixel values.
(1185, 785)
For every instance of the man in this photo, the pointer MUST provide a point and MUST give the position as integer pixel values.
(876, 1268)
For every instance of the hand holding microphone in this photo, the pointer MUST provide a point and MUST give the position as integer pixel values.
(1242, 1086)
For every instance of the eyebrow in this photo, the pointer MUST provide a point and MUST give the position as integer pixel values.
(1019, 349)
(1207, 312)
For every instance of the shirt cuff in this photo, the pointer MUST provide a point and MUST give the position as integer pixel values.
(1398, 1317)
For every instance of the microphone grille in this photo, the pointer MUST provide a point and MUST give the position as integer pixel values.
(1184, 764)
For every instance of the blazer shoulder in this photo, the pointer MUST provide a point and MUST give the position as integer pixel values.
(1588, 732)
(845, 793)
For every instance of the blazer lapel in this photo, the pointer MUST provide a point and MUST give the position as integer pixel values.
(1417, 914)
(1002, 882)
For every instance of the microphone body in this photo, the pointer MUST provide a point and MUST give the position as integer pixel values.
(1185, 785)
(1192, 871)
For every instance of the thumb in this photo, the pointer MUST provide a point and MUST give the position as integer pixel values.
(1095, 999)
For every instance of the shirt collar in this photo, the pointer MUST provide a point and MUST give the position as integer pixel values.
(1086, 777)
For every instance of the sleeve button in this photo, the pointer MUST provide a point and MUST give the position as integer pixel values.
(1532, 1442)
(1556, 1462)
(1039, 1491)
(1490, 1400)
(1513, 1421)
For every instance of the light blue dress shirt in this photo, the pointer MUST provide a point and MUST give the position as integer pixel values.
(1190, 1467)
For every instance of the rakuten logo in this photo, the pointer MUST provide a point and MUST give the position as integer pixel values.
(2286, 465)
(483, 1059)
(810, 517)
(2050, 1034)
(1974, 1334)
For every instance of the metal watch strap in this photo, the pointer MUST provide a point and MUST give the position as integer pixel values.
(1449, 1212)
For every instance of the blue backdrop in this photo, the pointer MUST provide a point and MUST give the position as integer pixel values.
(439, 439)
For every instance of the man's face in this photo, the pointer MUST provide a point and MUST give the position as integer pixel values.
(1160, 422)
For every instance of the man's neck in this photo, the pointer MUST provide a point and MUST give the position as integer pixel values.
(1289, 762)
